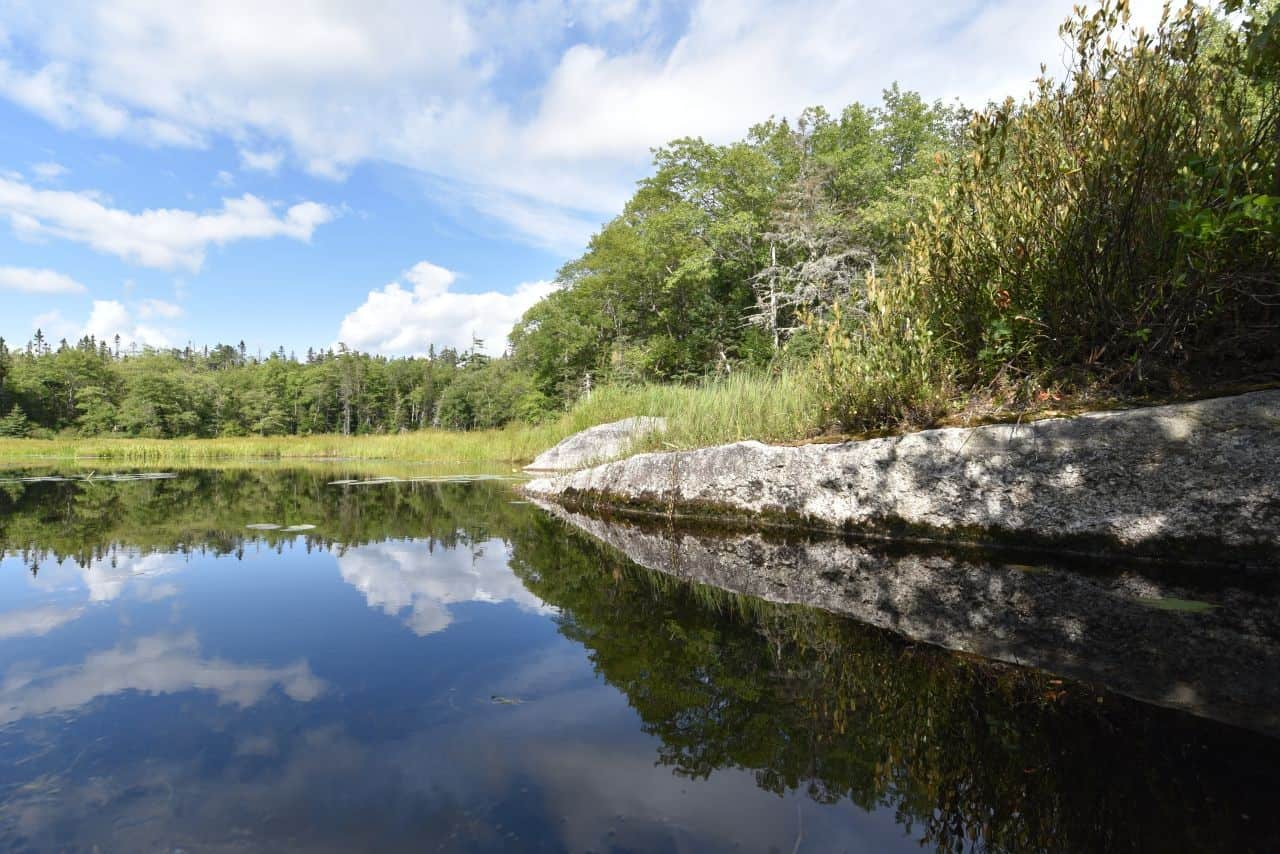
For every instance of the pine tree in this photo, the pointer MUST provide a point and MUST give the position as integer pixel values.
(16, 424)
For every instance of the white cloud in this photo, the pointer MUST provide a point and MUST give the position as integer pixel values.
(159, 308)
(400, 320)
(150, 665)
(165, 238)
(106, 580)
(403, 576)
(34, 281)
(54, 325)
(109, 318)
(50, 93)
(530, 121)
(224, 179)
(49, 171)
(262, 161)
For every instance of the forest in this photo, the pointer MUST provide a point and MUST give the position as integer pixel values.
(1113, 232)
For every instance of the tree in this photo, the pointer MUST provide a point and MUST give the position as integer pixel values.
(15, 424)
(4, 367)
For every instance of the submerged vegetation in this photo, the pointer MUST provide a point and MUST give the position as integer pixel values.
(1114, 233)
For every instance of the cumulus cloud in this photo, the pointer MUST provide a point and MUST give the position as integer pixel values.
(160, 664)
(405, 579)
(533, 112)
(400, 320)
(109, 318)
(165, 238)
(37, 281)
(106, 580)
(262, 161)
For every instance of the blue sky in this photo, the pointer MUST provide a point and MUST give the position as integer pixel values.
(400, 173)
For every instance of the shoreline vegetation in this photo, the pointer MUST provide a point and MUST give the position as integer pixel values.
(1110, 239)
(771, 409)
(774, 408)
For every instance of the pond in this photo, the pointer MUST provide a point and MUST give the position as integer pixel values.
(438, 665)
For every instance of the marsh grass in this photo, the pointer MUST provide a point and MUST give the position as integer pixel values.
(774, 407)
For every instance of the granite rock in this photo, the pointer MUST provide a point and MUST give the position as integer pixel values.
(1197, 481)
(597, 444)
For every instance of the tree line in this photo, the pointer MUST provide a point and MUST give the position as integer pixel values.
(92, 388)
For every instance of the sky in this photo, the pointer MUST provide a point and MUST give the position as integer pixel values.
(396, 174)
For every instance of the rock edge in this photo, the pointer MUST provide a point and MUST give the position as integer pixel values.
(1195, 481)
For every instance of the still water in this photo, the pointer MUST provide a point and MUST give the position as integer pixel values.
(440, 666)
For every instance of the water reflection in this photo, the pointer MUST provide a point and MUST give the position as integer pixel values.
(405, 575)
(157, 664)
(35, 622)
(435, 667)
(105, 578)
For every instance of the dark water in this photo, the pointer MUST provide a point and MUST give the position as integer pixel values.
(437, 666)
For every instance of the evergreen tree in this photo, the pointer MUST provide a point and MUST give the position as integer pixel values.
(15, 424)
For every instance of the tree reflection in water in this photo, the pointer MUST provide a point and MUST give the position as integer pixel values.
(968, 754)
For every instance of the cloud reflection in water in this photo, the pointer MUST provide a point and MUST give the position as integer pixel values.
(400, 575)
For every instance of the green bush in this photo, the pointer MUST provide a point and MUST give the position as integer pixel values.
(1121, 225)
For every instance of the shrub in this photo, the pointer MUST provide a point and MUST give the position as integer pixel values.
(1120, 225)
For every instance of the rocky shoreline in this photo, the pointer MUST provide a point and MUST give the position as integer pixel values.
(1193, 482)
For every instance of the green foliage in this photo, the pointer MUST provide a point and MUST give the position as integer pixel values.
(161, 394)
(15, 425)
(769, 407)
(489, 394)
(1118, 226)
(713, 258)
(878, 366)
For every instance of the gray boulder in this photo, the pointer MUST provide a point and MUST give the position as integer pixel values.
(1196, 481)
(596, 444)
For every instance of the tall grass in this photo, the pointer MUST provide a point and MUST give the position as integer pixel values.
(771, 408)
(777, 407)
